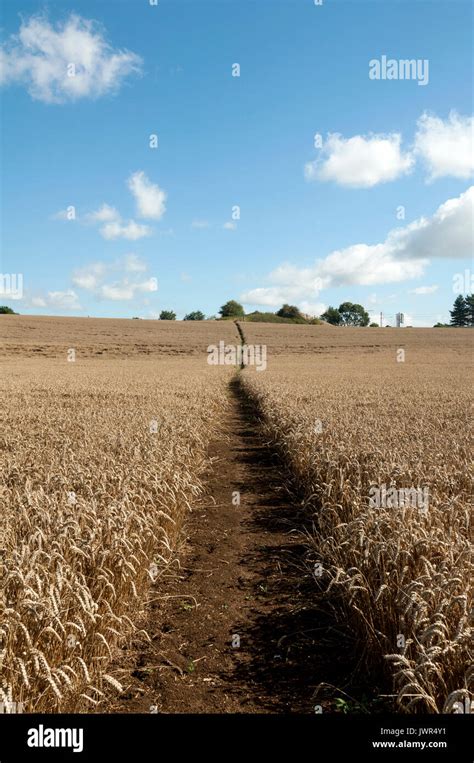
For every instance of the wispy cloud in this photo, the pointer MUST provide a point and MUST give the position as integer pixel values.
(124, 284)
(129, 230)
(104, 214)
(63, 300)
(424, 290)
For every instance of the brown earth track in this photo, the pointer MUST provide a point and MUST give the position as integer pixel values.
(243, 571)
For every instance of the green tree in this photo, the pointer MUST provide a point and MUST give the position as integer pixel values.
(232, 309)
(332, 315)
(167, 315)
(460, 312)
(4, 310)
(194, 316)
(289, 311)
(469, 300)
(374, 326)
(353, 314)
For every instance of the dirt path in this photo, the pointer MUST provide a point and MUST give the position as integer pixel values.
(240, 635)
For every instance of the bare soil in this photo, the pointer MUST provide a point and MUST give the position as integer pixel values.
(237, 628)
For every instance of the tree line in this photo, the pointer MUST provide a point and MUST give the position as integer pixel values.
(347, 314)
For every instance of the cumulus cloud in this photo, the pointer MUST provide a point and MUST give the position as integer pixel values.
(360, 161)
(65, 62)
(114, 227)
(447, 234)
(149, 197)
(126, 290)
(38, 302)
(230, 226)
(89, 276)
(150, 200)
(104, 214)
(446, 146)
(124, 286)
(64, 300)
(130, 230)
(402, 256)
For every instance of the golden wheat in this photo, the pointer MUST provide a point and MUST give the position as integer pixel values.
(348, 419)
(101, 461)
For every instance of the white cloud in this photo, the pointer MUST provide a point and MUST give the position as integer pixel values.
(200, 224)
(67, 62)
(447, 234)
(366, 265)
(360, 161)
(274, 295)
(131, 230)
(150, 198)
(114, 227)
(134, 264)
(89, 276)
(65, 300)
(125, 290)
(104, 214)
(312, 308)
(151, 284)
(64, 63)
(230, 226)
(403, 255)
(93, 277)
(424, 290)
(150, 201)
(446, 147)
(38, 302)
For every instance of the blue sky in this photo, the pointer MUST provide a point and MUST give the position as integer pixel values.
(314, 221)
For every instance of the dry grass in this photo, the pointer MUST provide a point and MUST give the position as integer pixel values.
(92, 505)
(402, 578)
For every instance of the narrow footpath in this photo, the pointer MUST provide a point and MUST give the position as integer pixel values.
(235, 628)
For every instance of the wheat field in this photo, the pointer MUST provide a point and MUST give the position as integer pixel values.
(101, 461)
(104, 457)
(350, 418)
